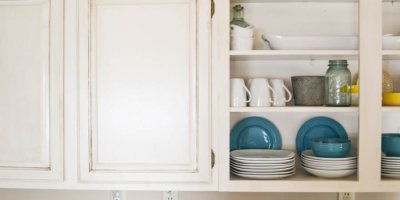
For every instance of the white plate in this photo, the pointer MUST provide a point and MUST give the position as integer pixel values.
(391, 166)
(313, 161)
(330, 173)
(263, 166)
(263, 173)
(390, 163)
(264, 176)
(239, 169)
(282, 42)
(384, 157)
(391, 42)
(262, 154)
(309, 154)
(262, 162)
(330, 167)
(391, 175)
(387, 171)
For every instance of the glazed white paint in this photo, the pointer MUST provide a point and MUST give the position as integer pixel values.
(31, 84)
(87, 155)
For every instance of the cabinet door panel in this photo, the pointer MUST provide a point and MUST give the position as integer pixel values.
(29, 107)
(145, 77)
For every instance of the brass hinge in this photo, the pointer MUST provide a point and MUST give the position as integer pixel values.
(212, 158)
(212, 8)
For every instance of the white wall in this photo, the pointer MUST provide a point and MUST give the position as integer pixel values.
(8, 194)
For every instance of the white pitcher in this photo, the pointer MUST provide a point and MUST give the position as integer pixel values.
(279, 89)
(238, 93)
(261, 92)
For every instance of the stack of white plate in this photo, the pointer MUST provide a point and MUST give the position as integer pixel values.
(390, 166)
(262, 163)
(329, 167)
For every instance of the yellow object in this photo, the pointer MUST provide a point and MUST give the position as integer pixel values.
(354, 89)
(387, 82)
(391, 99)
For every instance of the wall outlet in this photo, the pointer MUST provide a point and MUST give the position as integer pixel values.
(170, 195)
(118, 195)
(346, 196)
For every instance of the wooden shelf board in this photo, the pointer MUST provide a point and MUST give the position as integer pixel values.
(321, 109)
(390, 108)
(293, 54)
(391, 54)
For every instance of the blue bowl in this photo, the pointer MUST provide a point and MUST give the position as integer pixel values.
(331, 147)
(391, 144)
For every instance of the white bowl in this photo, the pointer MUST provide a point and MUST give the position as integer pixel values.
(330, 173)
(391, 42)
(280, 42)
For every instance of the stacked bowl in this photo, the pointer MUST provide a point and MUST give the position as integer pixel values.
(242, 38)
(391, 155)
(330, 158)
(262, 163)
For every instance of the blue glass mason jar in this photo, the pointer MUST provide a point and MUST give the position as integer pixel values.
(338, 84)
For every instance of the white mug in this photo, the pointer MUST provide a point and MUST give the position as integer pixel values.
(279, 97)
(260, 90)
(238, 93)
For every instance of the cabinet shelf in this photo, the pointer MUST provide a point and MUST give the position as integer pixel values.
(321, 109)
(308, 182)
(391, 109)
(391, 54)
(293, 54)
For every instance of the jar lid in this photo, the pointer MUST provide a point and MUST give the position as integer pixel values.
(338, 63)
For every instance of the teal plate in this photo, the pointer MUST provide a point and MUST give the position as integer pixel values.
(318, 127)
(255, 133)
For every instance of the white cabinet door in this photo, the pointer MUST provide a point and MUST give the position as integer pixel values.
(145, 90)
(31, 89)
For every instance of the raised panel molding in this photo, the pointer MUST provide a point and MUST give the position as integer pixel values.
(110, 60)
(31, 81)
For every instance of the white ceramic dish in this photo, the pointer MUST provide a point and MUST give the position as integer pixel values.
(391, 42)
(324, 162)
(391, 158)
(278, 176)
(237, 161)
(240, 169)
(282, 42)
(390, 162)
(268, 166)
(390, 166)
(262, 154)
(391, 175)
(309, 154)
(330, 167)
(330, 173)
(262, 173)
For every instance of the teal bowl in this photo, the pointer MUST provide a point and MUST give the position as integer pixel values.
(391, 144)
(331, 147)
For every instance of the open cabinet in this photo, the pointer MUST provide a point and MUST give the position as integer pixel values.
(361, 19)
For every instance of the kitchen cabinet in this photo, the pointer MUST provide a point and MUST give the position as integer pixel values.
(369, 20)
(145, 91)
(31, 75)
